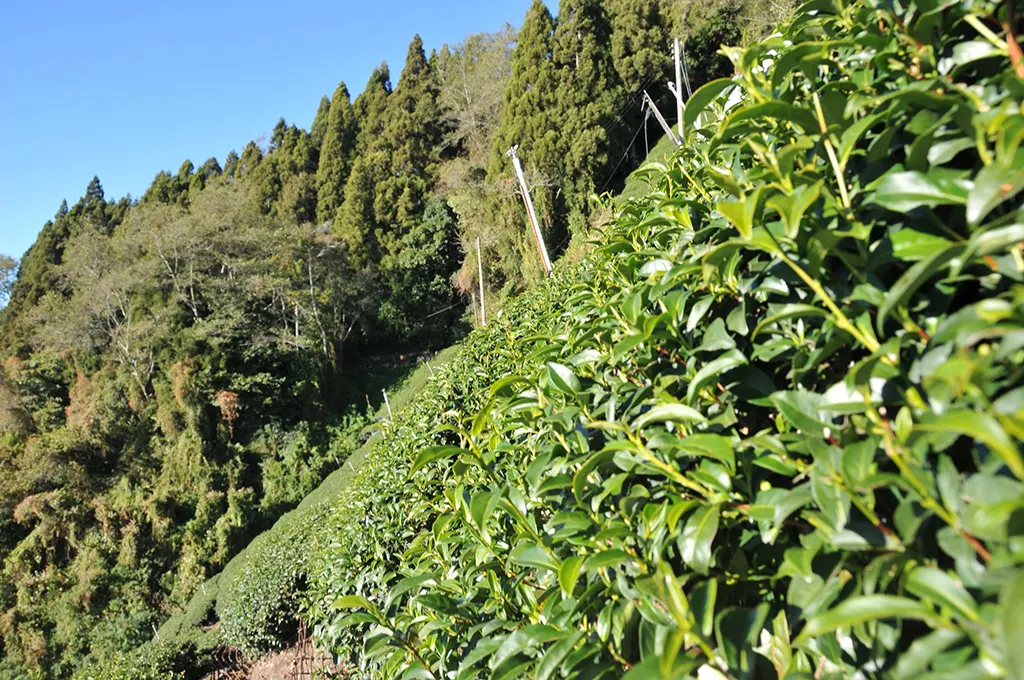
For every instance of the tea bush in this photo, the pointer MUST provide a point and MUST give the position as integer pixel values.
(772, 428)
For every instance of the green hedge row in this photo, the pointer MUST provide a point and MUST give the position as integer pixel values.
(771, 429)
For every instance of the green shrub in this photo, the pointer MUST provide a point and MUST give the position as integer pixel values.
(259, 591)
(772, 428)
(151, 661)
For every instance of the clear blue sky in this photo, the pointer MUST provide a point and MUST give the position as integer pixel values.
(123, 90)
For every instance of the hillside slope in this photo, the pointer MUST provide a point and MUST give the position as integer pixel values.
(772, 427)
(180, 369)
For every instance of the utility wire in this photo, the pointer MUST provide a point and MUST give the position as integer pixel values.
(626, 153)
(442, 311)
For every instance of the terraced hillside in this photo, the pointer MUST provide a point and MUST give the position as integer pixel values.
(770, 427)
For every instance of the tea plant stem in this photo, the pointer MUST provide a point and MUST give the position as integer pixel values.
(985, 31)
(840, 319)
(926, 499)
(669, 471)
(830, 150)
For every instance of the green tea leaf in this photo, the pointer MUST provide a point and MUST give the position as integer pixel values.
(1011, 604)
(676, 413)
(992, 186)
(704, 95)
(569, 573)
(861, 609)
(914, 278)
(697, 537)
(563, 378)
(909, 190)
(433, 454)
(981, 427)
(939, 587)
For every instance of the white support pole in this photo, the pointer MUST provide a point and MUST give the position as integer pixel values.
(661, 119)
(511, 153)
(387, 403)
(480, 273)
(679, 90)
(686, 72)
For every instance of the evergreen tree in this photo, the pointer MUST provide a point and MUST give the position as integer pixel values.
(93, 192)
(420, 271)
(8, 271)
(163, 189)
(211, 168)
(370, 106)
(639, 42)
(355, 224)
(410, 140)
(185, 172)
(93, 207)
(527, 121)
(335, 154)
(589, 92)
(251, 157)
(530, 99)
(277, 135)
(319, 127)
(231, 164)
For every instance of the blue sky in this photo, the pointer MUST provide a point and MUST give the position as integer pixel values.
(123, 90)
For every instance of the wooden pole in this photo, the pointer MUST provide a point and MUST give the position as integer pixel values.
(529, 209)
(661, 119)
(679, 90)
(387, 403)
(480, 273)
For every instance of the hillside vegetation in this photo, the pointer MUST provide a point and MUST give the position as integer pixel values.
(181, 369)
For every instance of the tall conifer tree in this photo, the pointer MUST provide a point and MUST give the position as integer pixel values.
(589, 91)
(370, 106)
(529, 99)
(335, 154)
(639, 42)
(409, 141)
(319, 128)
(356, 222)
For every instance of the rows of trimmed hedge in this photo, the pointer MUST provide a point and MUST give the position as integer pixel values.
(772, 428)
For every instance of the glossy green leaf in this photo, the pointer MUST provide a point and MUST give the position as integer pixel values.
(675, 413)
(992, 186)
(697, 537)
(913, 279)
(704, 95)
(860, 610)
(710, 371)
(556, 654)
(942, 589)
(533, 555)
(979, 426)
(1011, 602)
(568, 573)
(522, 639)
(606, 559)
(906, 191)
(433, 454)
(563, 378)
(793, 310)
(709, 446)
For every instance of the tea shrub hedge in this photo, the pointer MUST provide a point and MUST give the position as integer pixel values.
(772, 428)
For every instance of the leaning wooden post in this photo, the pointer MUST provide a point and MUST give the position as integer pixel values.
(511, 153)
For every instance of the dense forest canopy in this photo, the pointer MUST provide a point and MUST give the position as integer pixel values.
(181, 368)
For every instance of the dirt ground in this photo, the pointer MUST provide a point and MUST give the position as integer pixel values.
(286, 665)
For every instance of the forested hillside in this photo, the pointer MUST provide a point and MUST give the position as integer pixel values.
(181, 368)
